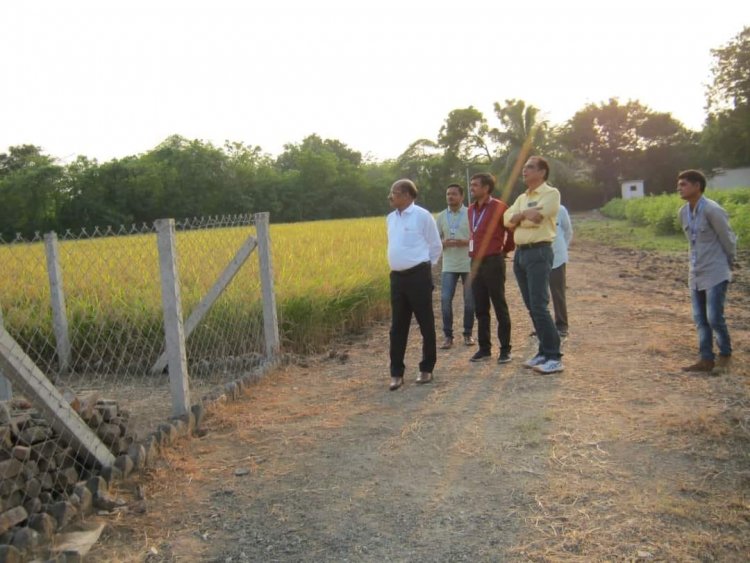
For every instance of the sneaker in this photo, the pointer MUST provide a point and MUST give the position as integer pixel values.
(447, 343)
(535, 361)
(469, 341)
(701, 366)
(504, 358)
(480, 356)
(550, 366)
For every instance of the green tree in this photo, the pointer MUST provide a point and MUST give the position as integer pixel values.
(520, 133)
(622, 141)
(30, 191)
(726, 136)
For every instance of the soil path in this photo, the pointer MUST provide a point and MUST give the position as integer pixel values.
(620, 457)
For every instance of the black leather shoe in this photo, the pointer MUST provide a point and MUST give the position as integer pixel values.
(396, 382)
(424, 377)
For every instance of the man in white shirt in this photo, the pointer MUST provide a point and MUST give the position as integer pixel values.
(557, 273)
(413, 247)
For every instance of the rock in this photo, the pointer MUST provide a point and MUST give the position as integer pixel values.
(33, 505)
(12, 517)
(43, 450)
(95, 420)
(152, 450)
(10, 468)
(30, 469)
(44, 524)
(108, 433)
(48, 483)
(111, 474)
(8, 486)
(6, 437)
(47, 464)
(35, 434)
(13, 500)
(125, 465)
(105, 501)
(85, 498)
(198, 412)
(33, 487)
(9, 554)
(138, 454)
(66, 478)
(21, 453)
(240, 471)
(64, 457)
(63, 512)
(5, 414)
(25, 539)
(97, 484)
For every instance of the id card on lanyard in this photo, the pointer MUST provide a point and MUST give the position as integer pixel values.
(475, 224)
(693, 221)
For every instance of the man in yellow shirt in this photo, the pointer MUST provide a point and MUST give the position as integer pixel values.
(532, 218)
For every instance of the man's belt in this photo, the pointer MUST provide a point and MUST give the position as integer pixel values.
(533, 245)
(412, 270)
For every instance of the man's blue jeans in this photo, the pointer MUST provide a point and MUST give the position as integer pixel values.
(708, 314)
(449, 281)
(532, 268)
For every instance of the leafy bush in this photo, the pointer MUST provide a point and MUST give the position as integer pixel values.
(615, 208)
(661, 212)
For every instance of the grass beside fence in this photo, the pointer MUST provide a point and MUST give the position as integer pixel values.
(330, 277)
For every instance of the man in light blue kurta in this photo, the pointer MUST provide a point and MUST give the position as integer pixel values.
(453, 226)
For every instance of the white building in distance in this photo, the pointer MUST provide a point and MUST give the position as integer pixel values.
(632, 189)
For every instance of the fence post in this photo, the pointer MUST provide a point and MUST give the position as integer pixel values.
(270, 319)
(172, 307)
(6, 389)
(57, 298)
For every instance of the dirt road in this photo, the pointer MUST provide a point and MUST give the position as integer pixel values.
(621, 457)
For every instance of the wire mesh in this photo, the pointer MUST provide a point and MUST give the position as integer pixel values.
(111, 285)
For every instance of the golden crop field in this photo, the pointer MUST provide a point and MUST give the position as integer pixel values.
(329, 276)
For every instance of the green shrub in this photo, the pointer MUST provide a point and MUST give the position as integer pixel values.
(661, 213)
(635, 211)
(615, 208)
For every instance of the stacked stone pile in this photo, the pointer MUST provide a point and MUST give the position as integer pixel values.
(45, 485)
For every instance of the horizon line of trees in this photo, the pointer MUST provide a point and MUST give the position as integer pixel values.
(590, 154)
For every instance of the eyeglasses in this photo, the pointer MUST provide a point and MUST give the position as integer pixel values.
(530, 167)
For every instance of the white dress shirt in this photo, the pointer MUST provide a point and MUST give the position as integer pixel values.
(413, 238)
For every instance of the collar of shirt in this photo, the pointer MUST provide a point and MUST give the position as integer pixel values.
(540, 189)
(407, 210)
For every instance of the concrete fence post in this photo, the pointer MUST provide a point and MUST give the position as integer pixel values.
(57, 299)
(173, 326)
(270, 319)
(6, 389)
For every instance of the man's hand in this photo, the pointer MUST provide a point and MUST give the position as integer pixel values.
(533, 215)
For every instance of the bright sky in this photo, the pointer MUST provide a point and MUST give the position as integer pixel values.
(109, 79)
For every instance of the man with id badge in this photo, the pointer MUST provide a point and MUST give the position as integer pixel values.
(490, 241)
(453, 226)
(712, 247)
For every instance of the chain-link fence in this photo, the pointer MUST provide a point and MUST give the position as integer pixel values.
(85, 315)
